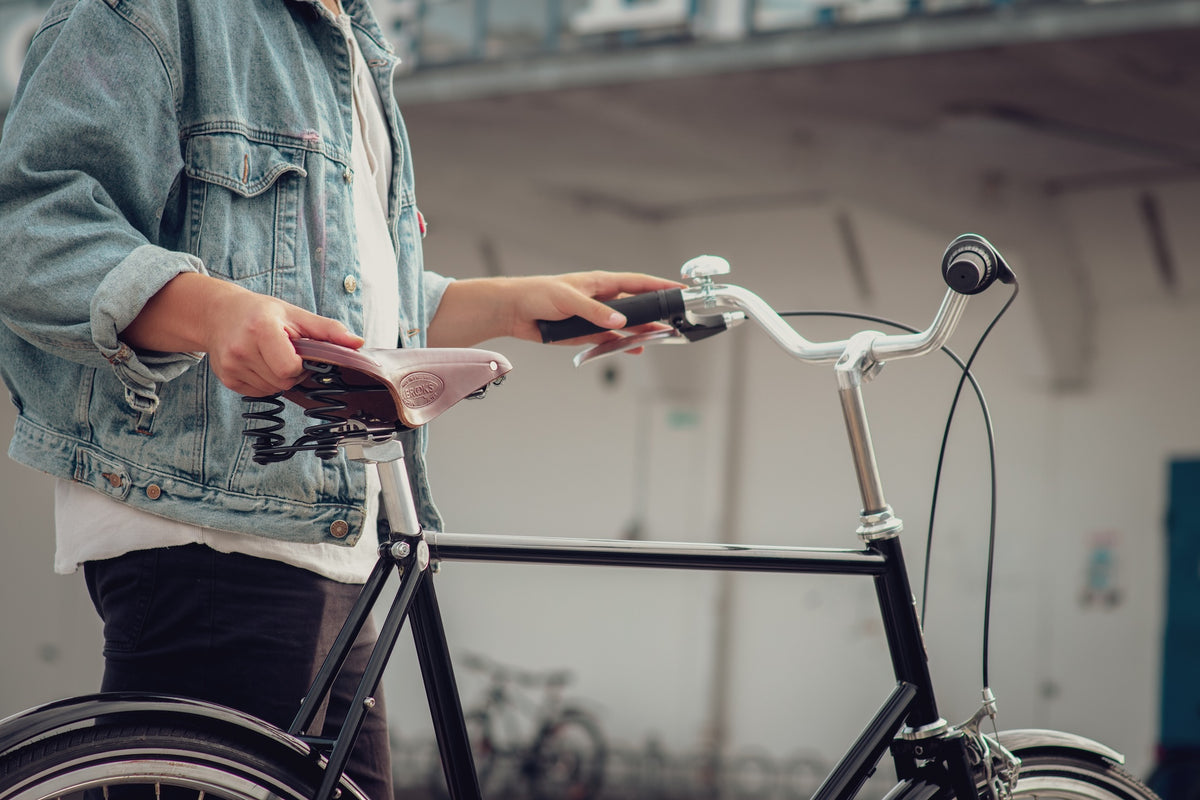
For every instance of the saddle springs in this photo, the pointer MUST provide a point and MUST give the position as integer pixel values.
(322, 395)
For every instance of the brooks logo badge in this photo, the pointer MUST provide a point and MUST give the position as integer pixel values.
(420, 389)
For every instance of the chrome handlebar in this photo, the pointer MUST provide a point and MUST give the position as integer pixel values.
(969, 265)
(725, 299)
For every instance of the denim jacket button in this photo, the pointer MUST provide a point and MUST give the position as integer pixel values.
(154, 491)
(350, 284)
(339, 529)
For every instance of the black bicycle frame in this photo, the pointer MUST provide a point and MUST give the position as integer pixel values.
(911, 703)
(927, 757)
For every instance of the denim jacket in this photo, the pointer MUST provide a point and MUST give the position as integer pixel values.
(154, 137)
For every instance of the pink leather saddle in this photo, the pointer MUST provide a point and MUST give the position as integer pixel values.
(411, 386)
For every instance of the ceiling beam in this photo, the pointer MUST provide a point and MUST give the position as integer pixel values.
(1017, 23)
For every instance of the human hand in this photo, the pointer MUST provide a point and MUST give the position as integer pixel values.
(583, 295)
(247, 336)
(475, 310)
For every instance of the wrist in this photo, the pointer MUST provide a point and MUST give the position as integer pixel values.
(475, 310)
(180, 316)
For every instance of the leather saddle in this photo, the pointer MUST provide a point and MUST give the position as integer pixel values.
(409, 386)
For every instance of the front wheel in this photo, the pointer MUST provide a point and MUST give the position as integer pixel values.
(172, 761)
(1054, 775)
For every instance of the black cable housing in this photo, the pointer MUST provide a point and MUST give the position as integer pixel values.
(966, 376)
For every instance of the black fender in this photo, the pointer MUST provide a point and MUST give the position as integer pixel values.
(1023, 742)
(136, 708)
(1029, 740)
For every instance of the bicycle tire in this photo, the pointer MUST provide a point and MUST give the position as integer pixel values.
(1056, 775)
(568, 759)
(157, 760)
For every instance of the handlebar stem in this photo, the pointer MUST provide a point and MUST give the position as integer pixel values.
(877, 520)
(856, 360)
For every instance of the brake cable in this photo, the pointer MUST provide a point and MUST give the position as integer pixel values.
(966, 376)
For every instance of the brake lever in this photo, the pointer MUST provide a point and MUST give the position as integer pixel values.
(683, 331)
(626, 343)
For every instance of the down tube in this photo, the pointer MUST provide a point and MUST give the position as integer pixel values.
(849, 775)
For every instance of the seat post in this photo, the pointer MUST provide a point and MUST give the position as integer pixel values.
(398, 505)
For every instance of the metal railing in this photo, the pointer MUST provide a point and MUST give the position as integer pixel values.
(444, 33)
(433, 37)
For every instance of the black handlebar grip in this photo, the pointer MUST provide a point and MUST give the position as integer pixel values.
(663, 305)
(971, 264)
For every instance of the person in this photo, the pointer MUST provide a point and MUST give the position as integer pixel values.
(187, 186)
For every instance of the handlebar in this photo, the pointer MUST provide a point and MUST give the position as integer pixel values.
(969, 266)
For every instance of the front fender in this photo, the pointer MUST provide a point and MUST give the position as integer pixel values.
(1028, 740)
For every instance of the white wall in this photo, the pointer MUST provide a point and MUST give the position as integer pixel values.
(554, 451)
(50, 635)
(810, 663)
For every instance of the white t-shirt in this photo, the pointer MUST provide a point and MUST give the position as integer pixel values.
(91, 526)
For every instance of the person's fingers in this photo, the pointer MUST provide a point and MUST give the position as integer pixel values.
(594, 311)
(276, 366)
(593, 288)
(312, 326)
(277, 362)
(250, 376)
(607, 285)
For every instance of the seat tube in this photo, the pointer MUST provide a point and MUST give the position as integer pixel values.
(395, 489)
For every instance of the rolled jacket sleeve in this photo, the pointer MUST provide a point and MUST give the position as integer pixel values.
(121, 294)
(434, 288)
(89, 162)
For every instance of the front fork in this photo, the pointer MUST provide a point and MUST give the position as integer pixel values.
(975, 765)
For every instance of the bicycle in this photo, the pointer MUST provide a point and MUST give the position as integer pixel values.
(361, 399)
(525, 748)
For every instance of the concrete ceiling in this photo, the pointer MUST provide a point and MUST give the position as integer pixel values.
(939, 138)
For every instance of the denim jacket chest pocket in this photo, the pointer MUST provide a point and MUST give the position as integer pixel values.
(243, 206)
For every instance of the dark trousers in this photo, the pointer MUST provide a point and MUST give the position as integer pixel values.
(244, 632)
